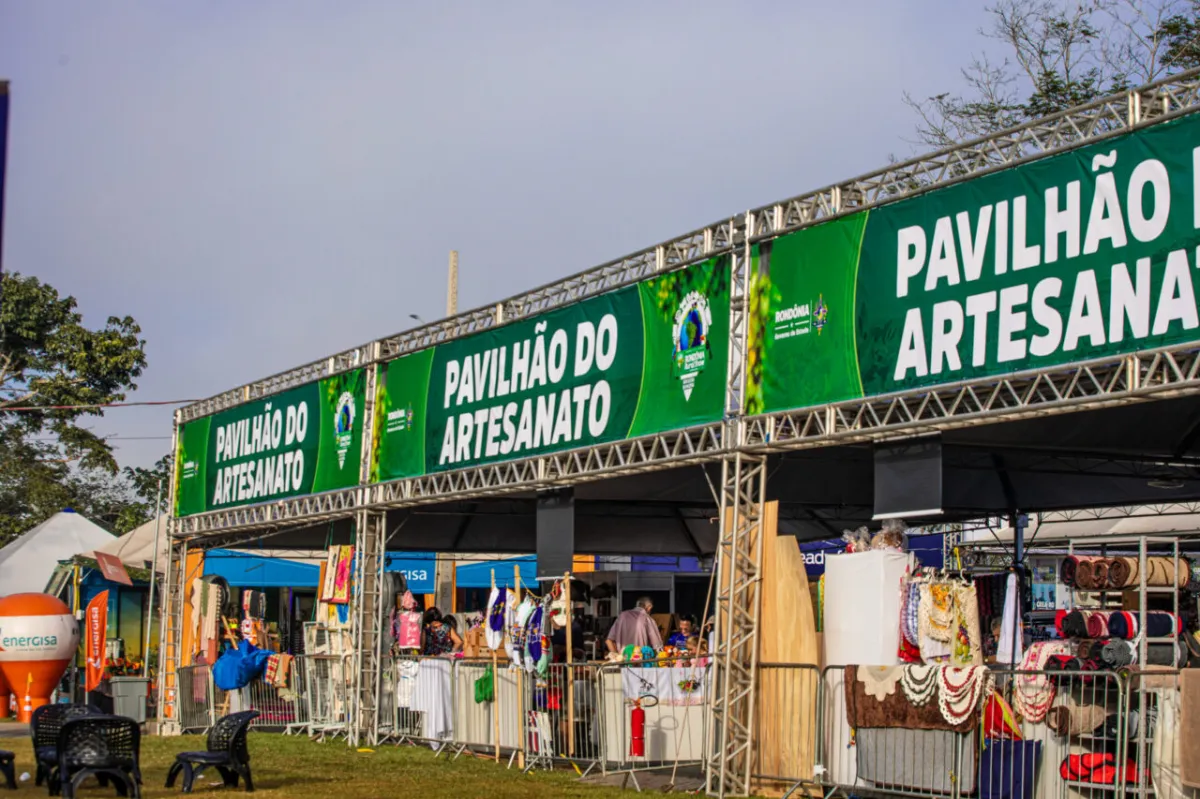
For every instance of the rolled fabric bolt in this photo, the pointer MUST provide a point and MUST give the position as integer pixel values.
(1100, 574)
(1122, 572)
(1066, 570)
(1084, 572)
(1075, 625)
(1097, 625)
(1118, 654)
(1171, 655)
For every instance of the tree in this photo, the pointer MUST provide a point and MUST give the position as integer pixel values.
(55, 373)
(1060, 55)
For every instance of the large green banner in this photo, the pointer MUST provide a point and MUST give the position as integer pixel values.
(1085, 254)
(641, 360)
(302, 441)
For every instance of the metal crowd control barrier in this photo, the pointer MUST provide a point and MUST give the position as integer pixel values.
(1067, 716)
(676, 701)
(194, 698)
(479, 723)
(423, 697)
(561, 717)
(786, 725)
(327, 695)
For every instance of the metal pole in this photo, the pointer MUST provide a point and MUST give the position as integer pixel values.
(75, 611)
(153, 575)
(452, 286)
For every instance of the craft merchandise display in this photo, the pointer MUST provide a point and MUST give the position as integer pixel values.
(939, 621)
(1093, 713)
(1090, 573)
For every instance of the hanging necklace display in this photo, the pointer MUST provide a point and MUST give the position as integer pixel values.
(920, 684)
(960, 692)
(1035, 691)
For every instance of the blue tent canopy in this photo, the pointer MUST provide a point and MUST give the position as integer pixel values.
(479, 575)
(419, 569)
(244, 570)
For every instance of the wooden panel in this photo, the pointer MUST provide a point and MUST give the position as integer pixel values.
(787, 694)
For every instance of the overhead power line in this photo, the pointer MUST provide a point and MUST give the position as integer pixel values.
(33, 408)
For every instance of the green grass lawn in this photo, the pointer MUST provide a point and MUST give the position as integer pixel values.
(290, 767)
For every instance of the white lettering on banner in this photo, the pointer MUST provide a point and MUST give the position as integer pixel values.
(264, 434)
(557, 415)
(1106, 305)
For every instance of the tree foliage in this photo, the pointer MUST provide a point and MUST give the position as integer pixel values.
(55, 375)
(1060, 55)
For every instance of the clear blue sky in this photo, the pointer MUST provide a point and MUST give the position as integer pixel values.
(261, 184)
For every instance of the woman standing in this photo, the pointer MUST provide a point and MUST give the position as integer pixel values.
(438, 638)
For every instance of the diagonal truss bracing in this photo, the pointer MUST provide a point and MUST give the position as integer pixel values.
(1155, 374)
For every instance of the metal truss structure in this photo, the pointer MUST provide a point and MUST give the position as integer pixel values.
(741, 443)
(170, 647)
(739, 600)
(1155, 374)
(1157, 509)
(369, 556)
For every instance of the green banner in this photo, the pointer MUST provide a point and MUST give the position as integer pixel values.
(302, 441)
(1085, 254)
(641, 360)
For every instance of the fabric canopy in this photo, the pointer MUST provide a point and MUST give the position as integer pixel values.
(27, 563)
(243, 570)
(136, 548)
(479, 575)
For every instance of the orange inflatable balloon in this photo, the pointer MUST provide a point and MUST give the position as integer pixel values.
(38, 639)
(5, 694)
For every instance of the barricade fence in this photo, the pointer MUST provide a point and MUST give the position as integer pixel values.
(838, 731)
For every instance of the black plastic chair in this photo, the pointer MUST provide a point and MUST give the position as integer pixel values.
(106, 747)
(227, 753)
(8, 770)
(44, 727)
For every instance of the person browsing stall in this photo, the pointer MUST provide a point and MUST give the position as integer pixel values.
(438, 638)
(687, 628)
(634, 628)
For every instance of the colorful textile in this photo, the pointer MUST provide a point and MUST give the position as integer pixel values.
(497, 602)
(341, 582)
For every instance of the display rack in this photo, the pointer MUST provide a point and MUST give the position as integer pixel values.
(1135, 697)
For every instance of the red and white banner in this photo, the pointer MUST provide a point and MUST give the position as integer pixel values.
(96, 634)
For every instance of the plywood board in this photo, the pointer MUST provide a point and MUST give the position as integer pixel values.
(785, 715)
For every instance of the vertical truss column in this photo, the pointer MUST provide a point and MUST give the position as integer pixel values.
(369, 547)
(739, 598)
(170, 637)
(739, 326)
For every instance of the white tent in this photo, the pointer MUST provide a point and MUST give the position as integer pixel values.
(27, 563)
(136, 548)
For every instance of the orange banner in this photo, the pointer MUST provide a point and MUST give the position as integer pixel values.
(95, 635)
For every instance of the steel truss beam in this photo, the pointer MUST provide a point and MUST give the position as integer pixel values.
(1099, 119)
(170, 649)
(672, 254)
(369, 557)
(1109, 116)
(1155, 374)
(1122, 512)
(739, 600)
(646, 454)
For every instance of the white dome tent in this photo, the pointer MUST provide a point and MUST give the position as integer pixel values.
(27, 563)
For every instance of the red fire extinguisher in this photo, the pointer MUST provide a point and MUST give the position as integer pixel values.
(637, 731)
